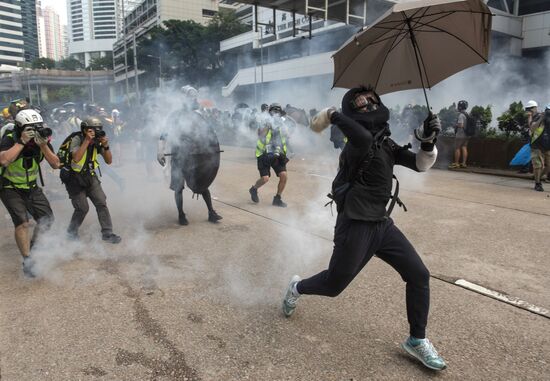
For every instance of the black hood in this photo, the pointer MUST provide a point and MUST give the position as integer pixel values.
(375, 120)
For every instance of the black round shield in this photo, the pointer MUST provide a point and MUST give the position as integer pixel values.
(198, 155)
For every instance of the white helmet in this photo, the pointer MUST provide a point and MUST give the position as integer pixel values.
(531, 103)
(30, 116)
(190, 91)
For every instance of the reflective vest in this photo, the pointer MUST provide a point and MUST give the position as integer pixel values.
(79, 167)
(262, 144)
(17, 175)
(537, 132)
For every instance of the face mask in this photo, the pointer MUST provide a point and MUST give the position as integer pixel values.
(365, 102)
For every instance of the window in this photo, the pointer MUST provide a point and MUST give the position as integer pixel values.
(208, 13)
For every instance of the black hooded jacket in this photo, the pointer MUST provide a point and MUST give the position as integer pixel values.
(369, 194)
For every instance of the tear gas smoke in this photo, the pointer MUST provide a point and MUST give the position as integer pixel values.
(145, 209)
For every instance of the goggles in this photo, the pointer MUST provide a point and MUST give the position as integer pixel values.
(365, 101)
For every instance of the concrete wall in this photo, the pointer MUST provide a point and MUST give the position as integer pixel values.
(536, 30)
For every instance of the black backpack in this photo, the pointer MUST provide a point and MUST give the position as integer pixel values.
(64, 151)
(470, 129)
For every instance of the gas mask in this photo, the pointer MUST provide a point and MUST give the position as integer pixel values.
(365, 107)
(365, 102)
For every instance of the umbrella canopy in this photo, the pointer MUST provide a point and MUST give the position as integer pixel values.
(415, 45)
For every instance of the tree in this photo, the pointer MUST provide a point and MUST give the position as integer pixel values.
(483, 115)
(66, 93)
(43, 63)
(513, 120)
(101, 63)
(70, 63)
(189, 51)
(448, 117)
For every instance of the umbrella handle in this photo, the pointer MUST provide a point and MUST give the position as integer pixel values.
(424, 140)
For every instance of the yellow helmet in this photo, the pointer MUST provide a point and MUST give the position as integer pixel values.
(5, 113)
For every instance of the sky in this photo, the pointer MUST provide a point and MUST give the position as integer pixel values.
(60, 7)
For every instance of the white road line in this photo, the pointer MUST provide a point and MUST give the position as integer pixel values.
(503, 297)
(322, 176)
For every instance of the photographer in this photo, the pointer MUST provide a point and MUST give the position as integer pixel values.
(82, 182)
(271, 152)
(21, 152)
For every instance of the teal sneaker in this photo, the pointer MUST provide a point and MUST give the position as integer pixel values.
(289, 302)
(424, 351)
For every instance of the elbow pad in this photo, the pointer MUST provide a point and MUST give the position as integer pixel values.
(425, 159)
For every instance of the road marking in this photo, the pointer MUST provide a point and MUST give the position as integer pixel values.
(501, 297)
(516, 302)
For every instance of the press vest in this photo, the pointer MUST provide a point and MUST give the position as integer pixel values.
(79, 166)
(537, 132)
(261, 145)
(17, 175)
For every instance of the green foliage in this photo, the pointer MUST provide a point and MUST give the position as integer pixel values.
(43, 63)
(101, 63)
(189, 51)
(69, 64)
(512, 121)
(482, 114)
(448, 117)
(66, 93)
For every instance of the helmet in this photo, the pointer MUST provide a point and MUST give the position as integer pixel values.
(275, 107)
(91, 122)
(26, 117)
(16, 106)
(531, 104)
(190, 91)
(5, 113)
(264, 107)
(462, 105)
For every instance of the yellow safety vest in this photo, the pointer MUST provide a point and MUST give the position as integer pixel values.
(78, 167)
(17, 175)
(261, 145)
(537, 132)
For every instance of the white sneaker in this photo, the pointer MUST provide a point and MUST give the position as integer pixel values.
(289, 302)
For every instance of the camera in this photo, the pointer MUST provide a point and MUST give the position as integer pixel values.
(99, 133)
(44, 132)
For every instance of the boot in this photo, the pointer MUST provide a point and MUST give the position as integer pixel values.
(183, 220)
(214, 217)
(254, 194)
(277, 201)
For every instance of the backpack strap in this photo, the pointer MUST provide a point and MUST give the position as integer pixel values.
(395, 199)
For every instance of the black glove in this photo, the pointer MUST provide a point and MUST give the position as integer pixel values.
(432, 126)
(430, 129)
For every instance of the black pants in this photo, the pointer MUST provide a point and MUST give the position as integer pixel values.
(355, 242)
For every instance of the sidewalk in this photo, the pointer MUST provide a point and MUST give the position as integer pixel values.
(494, 172)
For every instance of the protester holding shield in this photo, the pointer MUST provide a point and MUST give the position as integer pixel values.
(195, 154)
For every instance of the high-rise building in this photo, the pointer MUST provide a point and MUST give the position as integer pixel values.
(11, 33)
(50, 34)
(92, 28)
(30, 32)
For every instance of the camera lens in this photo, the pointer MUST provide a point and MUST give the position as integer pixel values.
(45, 132)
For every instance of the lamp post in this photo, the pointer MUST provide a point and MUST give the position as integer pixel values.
(125, 52)
(92, 83)
(27, 75)
(261, 62)
(160, 68)
(136, 75)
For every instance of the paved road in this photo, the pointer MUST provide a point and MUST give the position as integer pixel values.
(202, 302)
